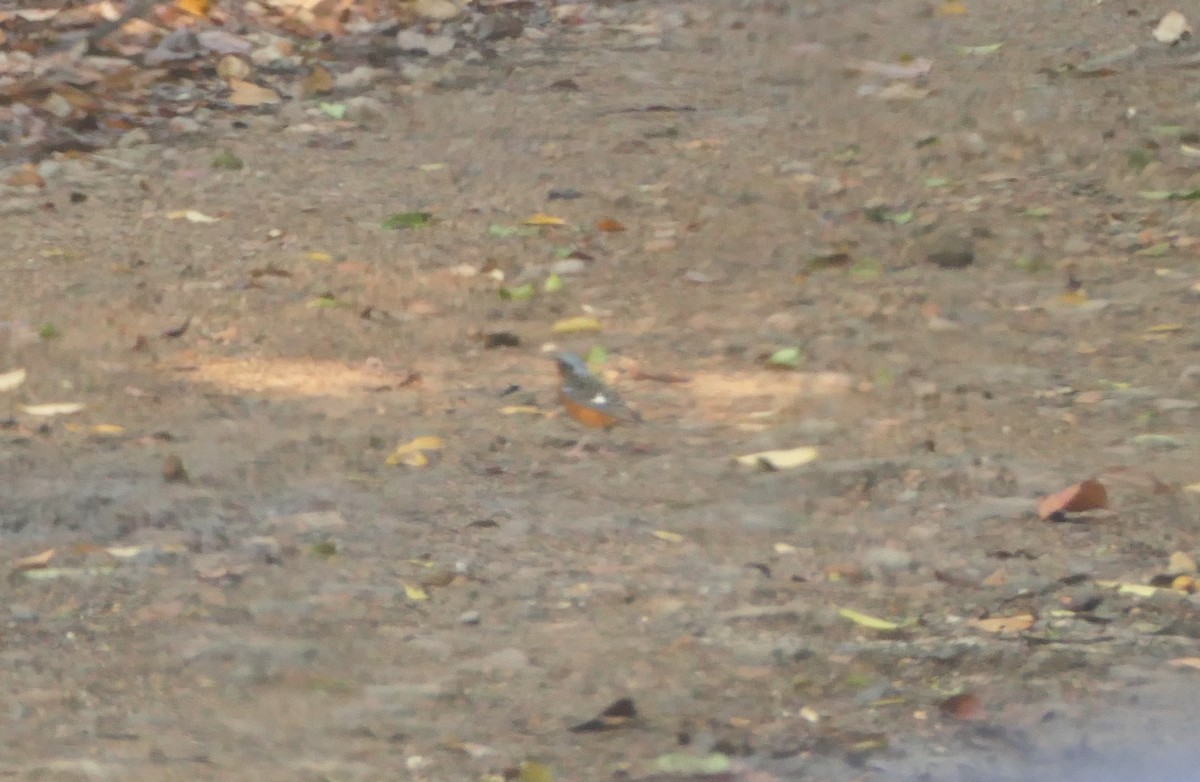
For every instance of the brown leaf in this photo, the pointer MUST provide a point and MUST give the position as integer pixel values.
(609, 225)
(1003, 624)
(318, 81)
(965, 706)
(1084, 496)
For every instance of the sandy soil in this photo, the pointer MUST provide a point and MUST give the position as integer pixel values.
(244, 588)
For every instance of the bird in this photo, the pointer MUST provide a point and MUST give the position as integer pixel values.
(587, 399)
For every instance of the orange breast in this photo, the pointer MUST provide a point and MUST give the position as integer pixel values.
(588, 416)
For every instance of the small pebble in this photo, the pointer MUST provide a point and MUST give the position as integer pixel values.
(468, 618)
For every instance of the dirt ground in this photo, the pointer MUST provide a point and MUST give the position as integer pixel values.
(243, 588)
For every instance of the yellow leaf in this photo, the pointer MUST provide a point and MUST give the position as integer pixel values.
(521, 410)
(576, 325)
(534, 772)
(952, 8)
(415, 593)
(870, 621)
(667, 535)
(1165, 328)
(108, 429)
(412, 454)
(431, 166)
(10, 380)
(784, 548)
(543, 219)
(319, 257)
(52, 409)
(1186, 662)
(1003, 624)
(784, 459)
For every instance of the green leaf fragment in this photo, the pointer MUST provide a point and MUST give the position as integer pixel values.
(530, 771)
(553, 283)
(333, 110)
(1155, 250)
(693, 765)
(324, 302)
(324, 549)
(785, 358)
(49, 331)
(1038, 211)
(936, 181)
(404, 220)
(865, 269)
(517, 294)
(227, 160)
(596, 357)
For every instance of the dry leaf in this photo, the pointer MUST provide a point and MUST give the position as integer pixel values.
(667, 535)
(194, 7)
(11, 380)
(583, 323)
(1181, 563)
(52, 409)
(319, 81)
(1003, 624)
(415, 593)
(191, 215)
(34, 561)
(965, 706)
(870, 621)
(247, 93)
(412, 454)
(543, 219)
(784, 459)
(1084, 496)
(609, 225)
(521, 410)
(25, 176)
(1186, 662)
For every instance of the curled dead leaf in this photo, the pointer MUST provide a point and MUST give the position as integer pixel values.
(1084, 496)
(35, 561)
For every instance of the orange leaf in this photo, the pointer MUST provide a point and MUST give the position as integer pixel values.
(26, 176)
(1003, 624)
(1084, 496)
(193, 7)
(609, 225)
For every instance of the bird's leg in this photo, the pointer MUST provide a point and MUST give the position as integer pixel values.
(577, 450)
